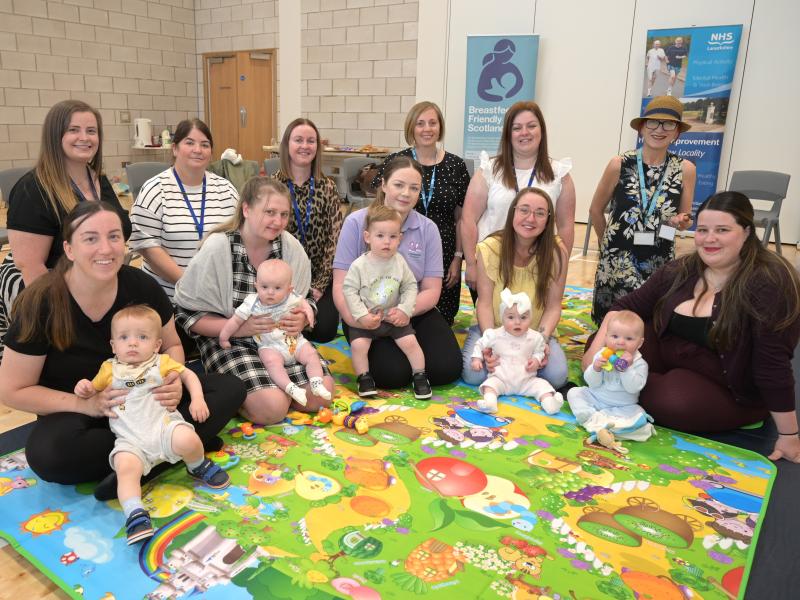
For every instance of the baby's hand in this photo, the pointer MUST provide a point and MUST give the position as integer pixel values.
(599, 363)
(533, 364)
(477, 364)
(226, 343)
(199, 410)
(370, 320)
(84, 389)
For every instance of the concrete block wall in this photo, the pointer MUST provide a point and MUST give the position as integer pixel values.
(118, 55)
(359, 64)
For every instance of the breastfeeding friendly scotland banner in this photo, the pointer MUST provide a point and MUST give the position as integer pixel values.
(696, 65)
(501, 70)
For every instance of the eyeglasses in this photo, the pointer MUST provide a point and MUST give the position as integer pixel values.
(527, 211)
(653, 124)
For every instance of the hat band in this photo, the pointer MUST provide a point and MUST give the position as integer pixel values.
(666, 111)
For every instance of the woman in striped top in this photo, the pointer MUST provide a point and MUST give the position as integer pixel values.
(176, 207)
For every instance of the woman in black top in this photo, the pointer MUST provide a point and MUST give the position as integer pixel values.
(68, 171)
(444, 185)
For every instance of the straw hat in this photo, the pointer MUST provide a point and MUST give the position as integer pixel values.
(663, 108)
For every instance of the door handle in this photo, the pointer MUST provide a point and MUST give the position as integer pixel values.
(243, 116)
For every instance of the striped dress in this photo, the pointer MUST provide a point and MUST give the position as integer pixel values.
(161, 218)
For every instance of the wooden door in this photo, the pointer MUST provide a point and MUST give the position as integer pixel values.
(240, 99)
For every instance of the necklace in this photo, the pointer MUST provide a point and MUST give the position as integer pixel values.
(714, 285)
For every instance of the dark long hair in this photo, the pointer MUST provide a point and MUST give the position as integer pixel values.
(545, 254)
(759, 268)
(504, 163)
(49, 294)
(316, 164)
(397, 163)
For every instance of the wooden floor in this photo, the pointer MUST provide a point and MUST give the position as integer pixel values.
(19, 580)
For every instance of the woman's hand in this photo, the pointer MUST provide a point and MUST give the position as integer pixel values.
(453, 275)
(256, 325)
(477, 364)
(395, 316)
(681, 221)
(371, 320)
(169, 393)
(471, 275)
(102, 403)
(788, 447)
(490, 360)
(294, 321)
(316, 294)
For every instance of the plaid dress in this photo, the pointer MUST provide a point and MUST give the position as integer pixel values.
(241, 359)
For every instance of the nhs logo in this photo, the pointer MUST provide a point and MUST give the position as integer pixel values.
(721, 39)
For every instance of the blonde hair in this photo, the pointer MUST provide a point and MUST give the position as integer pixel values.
(413, 115)
(377, 213)
(141, 312)
(51, 167)
(628, 318)
(252, 193)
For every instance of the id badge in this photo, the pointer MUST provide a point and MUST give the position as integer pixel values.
(644, 238)
(667, 232)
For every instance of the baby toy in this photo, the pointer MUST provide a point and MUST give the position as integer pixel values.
(343, 414)
(615, 360)
(357, 422)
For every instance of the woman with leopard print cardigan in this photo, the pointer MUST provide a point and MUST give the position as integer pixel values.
(315, 217)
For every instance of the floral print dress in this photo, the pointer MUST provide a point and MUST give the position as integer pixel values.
(624, 266)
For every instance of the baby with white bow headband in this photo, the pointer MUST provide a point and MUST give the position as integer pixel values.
(521, 351)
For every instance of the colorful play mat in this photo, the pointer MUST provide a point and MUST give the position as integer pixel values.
(435, 500)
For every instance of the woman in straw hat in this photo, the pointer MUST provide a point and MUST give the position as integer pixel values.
(652, 191)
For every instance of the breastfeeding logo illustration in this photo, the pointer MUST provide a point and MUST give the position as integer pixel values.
(501, 70)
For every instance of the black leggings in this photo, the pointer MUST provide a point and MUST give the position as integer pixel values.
(72, 448)
(327, 320)
(390, 367)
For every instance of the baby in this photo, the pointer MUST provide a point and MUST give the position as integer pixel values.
(274, 297)
(609, 407)
(521, 351)
(147, 433)
(381, 291)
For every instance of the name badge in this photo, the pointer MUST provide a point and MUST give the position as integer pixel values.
(667, 232)
(644, 238)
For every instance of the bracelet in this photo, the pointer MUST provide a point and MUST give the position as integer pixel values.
(795, 433)
(459, 254)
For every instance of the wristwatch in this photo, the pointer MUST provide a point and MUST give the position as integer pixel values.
(459, 254)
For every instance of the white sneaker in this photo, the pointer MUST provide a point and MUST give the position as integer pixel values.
(487, 405)
(669, 91)
(649, 92)
(319, 388)
(553, 403)
(297, 394)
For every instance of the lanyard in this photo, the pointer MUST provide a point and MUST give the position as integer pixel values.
(198, 224)
(530, 180)
(648, 204)
(302, 227)
(426, 196)
(78, 191)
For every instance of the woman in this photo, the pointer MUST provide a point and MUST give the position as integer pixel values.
(315, 218)
(444, 185)
(652, 191)
(223, 273)
(522, 161)
(525, 256)
(68, 171)
(60, 333)
(177, 207)
(421, 246)
(722, 326)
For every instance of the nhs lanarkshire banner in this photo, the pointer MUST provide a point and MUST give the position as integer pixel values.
(696, 65)
(501, 70)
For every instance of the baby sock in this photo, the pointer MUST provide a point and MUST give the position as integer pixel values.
(552, 403)
(131, 504)
(297, 394)
(319, 388)
(193, 465)
(488, 403)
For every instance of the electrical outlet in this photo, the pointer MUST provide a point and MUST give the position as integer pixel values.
(124, 116)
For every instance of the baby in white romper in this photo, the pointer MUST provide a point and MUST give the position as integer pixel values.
(273, 298)
(521, 351)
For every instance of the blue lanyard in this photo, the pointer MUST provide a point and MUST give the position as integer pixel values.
(648, 204)
(198, 224)
(530, 180)
(302, 227)
(78, 191)
(426, 196)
